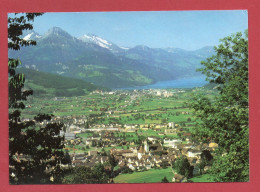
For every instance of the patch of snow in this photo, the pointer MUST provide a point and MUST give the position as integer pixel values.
(103, 41)
(97, 40)
(27, 37)
(126, 48)
(102, 45)
(85, 36)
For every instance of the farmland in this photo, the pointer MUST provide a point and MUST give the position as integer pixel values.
(131, 107)
(143, 130)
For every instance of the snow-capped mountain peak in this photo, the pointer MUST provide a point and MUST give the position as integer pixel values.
(31, 35)
(58, 32)
(89, 38)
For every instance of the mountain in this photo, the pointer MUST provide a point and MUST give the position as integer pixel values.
(179, 62)
(113, 71)
(204, 52)
(99, 61)
(31, 35)
(53, 49)
(90, 38)
(47, 84)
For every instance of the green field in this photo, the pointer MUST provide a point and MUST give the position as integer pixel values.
(150, 176)
(141, 109)
(130, 108)
(202, 178)
(156, 175)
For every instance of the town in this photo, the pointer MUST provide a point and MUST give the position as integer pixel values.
(140, 129)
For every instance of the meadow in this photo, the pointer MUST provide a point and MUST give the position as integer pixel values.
(122, 107)
(150, 176)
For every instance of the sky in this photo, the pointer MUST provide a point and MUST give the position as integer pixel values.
(188, 30)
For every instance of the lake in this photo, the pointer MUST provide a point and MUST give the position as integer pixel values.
(178, 83)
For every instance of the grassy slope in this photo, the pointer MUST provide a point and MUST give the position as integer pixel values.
(202, 178)
(155, 176)
(55, 85)
(150, 176)
(108, 70)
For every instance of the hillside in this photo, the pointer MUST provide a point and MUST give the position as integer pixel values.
(93, 59)
(179, 62)
(46, 84)
(111, 71)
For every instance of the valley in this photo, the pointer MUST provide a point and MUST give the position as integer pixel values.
(120, 123)
(127, 109)
(128, 97)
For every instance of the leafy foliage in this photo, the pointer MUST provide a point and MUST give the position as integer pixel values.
(16, 26)
(224, 120)
(35, 151)
(183, 167)
(206, 159)
(86, 175)
(164, 180)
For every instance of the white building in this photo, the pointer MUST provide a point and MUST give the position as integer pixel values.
(171, 125)
(171, 143)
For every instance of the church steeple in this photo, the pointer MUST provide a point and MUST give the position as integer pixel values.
(146, 146)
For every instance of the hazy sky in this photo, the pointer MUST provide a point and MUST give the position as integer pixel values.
(181, 29)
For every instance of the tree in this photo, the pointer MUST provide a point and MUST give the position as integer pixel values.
(35, 151)
(66, 160)
(164, 180)
(206, 159)
(111, 160)
(87, 175)
(183, 167)
(126, 169)
(224, 119)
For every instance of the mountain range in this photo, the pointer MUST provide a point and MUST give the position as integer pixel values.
(101, 62)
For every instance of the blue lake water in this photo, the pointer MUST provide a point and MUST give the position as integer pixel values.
(190, 82)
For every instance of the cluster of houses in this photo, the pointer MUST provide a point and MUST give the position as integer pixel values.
(77, 125)
(150, 154)
(88, 160)
(153, 154)
(157, 92)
